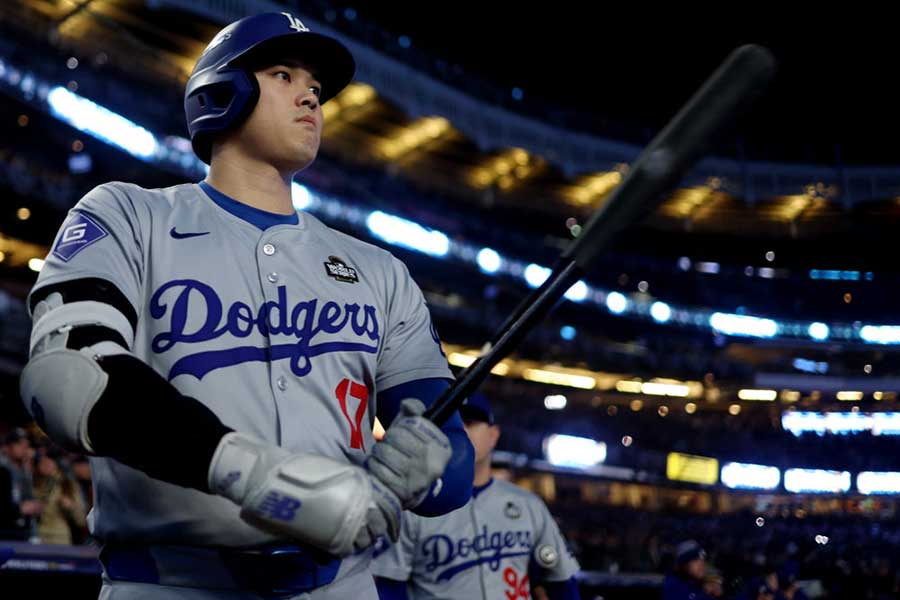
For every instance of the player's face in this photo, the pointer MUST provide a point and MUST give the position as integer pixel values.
(285, 127)
(483, 437)
(697, 568)
(47, 467)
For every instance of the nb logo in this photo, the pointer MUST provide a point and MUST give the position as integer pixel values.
(279, 506)
(295, 23)
(230, 479)
(74, 233)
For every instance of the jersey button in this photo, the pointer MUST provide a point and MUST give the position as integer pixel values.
(268, 249)
(281, 382)
(272, 277)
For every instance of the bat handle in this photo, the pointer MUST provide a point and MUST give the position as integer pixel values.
(534, 308)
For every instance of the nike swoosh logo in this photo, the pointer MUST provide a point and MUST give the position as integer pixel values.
(181, 236)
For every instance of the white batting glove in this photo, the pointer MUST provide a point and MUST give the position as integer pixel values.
(412, 455)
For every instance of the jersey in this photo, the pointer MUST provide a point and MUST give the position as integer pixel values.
(285, 333)
(484, 550)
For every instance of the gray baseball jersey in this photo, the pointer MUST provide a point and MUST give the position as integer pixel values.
(286, 334)
(480, 551)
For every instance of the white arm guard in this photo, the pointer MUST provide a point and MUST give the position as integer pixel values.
(59, 389)
(60, 386)
(310, 498)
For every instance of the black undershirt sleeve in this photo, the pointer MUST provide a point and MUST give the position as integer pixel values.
(142, 421)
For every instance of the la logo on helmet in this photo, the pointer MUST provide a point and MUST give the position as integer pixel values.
(295, 23)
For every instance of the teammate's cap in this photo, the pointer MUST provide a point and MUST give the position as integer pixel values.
(687, 551)
(477, 408)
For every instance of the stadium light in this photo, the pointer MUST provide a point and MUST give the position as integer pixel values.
(567, 332)
(616, 303)
(573, 451)
(556, 378)
(742, 325)
(660, 311)
(750, 476)
(818, 331)
(578, 292)
(407, 234)
(102, 123)
(301, 197)
(488, 260)
(878, 482)
(536, 275)
(817, 481)
(880, 334)
(665, 389)
(555, 402)
(763, 395)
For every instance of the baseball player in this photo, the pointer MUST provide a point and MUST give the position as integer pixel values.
(503, 542)
(685, 582)
(223, 357)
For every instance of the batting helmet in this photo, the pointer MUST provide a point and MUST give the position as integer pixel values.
(221, 93)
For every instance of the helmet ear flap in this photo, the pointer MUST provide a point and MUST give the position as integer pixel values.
(245, 92)
(232, 99)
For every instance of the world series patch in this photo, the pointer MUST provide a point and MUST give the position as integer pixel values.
(340, 271)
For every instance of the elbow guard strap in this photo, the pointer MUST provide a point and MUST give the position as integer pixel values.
(53, 318)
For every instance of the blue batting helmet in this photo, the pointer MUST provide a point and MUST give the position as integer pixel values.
(221, 93)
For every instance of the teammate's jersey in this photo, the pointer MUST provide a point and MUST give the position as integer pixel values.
(286, 334)
(482, 551)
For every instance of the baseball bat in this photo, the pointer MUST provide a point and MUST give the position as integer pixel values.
(733, 86)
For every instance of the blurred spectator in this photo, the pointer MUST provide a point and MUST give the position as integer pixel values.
(787, 583)
(685, 582)
(757, 589)
(63, 519)
(714, 583)
(81, 470)
(18, 508)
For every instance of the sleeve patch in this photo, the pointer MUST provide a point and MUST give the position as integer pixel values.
(78, 234)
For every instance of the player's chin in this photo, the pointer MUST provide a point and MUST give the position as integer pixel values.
(299, 158)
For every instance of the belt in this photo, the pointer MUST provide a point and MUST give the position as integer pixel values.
(273, 571)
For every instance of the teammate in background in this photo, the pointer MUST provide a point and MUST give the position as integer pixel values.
(500, 545)
(223, 357)
(685, 582)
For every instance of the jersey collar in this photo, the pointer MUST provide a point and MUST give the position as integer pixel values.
(260, 218)
(480, 488)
